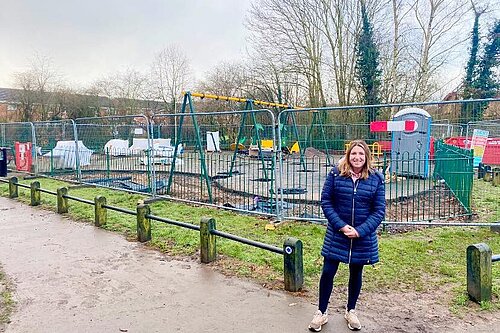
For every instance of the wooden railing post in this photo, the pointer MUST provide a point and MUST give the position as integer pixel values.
(101, 213)
(62, 202)
(143, 223)
(479, 278)
(13, 193)
(293, 264)
(208, 244)
(35, 193)
(496, 177)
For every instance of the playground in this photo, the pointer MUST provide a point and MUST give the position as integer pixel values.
(269, 161)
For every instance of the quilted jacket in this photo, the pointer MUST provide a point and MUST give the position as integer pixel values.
(360, 204)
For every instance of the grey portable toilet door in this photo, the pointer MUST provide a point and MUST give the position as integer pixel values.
(410, 150)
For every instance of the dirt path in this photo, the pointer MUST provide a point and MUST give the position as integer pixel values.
(73, 277)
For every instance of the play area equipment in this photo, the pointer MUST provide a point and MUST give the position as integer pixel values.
(411, 145)
(317, 124)
(213, 144)
(64, 155)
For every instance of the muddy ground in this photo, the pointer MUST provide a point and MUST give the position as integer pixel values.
(70, 276)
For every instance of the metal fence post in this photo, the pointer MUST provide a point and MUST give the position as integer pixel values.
(143, 223)
(101, 213)
(479, 278)
(13, 193)
(208, 244)
(62, 203)
(35, 193)
(293, 264)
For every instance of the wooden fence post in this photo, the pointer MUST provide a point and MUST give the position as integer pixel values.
(13, 193)
(35, 193)
(62, 203)
(208, 244)
(479, 278)
(143, 223)
(293, 264)
(496, 177)
(101, 213)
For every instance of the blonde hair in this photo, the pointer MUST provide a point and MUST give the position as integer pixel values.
(345, 166)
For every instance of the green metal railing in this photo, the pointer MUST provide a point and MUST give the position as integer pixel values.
(454, 166)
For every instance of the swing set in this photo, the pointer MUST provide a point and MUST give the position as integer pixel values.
(248, 106)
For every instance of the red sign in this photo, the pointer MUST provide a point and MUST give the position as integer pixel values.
(492, 152)
(23, 156)
(393, 126)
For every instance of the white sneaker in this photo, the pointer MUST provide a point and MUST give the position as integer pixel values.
(318, 320)
(352, 320)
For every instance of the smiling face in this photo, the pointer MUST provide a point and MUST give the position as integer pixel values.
(357, 159)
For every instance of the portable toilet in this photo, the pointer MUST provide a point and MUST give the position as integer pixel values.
(411, 150)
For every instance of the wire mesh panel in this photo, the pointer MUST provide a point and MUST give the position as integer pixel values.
(121, 152)
(492, 126)
(60, 152)
(222, 158)
(414, 191)
(10, 133)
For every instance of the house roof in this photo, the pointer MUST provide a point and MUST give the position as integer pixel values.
(8, 94)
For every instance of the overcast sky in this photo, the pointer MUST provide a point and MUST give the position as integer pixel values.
(87, 39)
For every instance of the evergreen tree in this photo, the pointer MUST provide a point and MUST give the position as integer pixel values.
(472, 63)
(486, 85)
(367, 66)
(471, 67)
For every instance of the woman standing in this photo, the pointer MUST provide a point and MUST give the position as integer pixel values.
(353, 201)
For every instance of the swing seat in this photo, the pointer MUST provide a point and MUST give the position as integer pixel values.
(295, 148)
(240, 146)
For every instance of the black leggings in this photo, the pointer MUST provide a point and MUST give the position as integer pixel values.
(330, 268)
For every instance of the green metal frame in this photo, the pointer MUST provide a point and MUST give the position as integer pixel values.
(315, 121)
(248, 107)
(204, 173)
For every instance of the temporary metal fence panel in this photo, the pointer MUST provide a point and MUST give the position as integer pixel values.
(411, 197)
(121, 152)
(220, 172)
(10, 133)
(492, 126)
(60, 152)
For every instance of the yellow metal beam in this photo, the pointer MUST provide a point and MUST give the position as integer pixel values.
(241, 100)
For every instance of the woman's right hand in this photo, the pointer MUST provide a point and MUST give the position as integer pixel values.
(349, 231)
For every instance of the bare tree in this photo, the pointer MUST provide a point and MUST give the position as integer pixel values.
(125, 91)
(290, 28)
(437, 31)
(171, 73)
(35, 85)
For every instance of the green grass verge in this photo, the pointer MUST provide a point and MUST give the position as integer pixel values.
(7, 304)
(420, 261)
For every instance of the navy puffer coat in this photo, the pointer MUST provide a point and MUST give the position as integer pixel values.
(360, 204)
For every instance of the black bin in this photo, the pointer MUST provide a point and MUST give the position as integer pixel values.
(3, 162)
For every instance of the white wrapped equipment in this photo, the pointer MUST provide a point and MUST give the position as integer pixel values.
(64, 155)
(117, 147)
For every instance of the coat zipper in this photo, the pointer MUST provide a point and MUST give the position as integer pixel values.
(355, 187)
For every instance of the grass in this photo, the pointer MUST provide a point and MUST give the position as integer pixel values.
(419, 261)
(7, 304)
